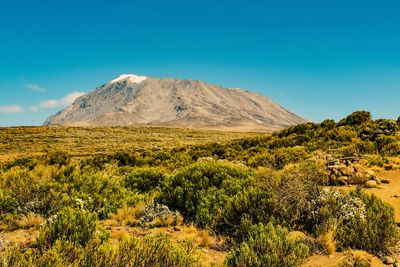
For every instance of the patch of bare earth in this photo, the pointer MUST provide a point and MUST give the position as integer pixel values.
(341, 257)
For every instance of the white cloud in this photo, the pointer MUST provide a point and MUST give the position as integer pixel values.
(49, 103)
(11, 109)
(70, 98)
(62, 102)
(35, 87)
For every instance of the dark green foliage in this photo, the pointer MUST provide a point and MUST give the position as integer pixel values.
(7, 202)
(126, 159)
(202, 192)
(74, 225)
(144, 180)
(267, 245)
(58, 158)
(375, 233)
(356, 118)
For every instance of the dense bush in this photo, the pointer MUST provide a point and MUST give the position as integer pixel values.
(156, 250)
(145, 179)
(356, 118)
(374, 232)
(267, 245)
(202, 192)
(74, 225)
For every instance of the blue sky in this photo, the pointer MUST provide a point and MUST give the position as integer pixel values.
(320, 59)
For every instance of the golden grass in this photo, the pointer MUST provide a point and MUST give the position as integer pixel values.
(205, 239)
(30, 220)
(18, 142)
(327, 239)
(127, 215)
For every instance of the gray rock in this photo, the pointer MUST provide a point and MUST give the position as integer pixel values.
(154, 211)
(371, 184)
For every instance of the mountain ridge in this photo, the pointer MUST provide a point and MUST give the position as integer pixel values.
(133, 100)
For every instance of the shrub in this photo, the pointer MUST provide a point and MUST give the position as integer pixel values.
(136, 251)
(203, 191)
(144, 180)
(268, 245)
(356, 118)
(376, 232)
(75, 225)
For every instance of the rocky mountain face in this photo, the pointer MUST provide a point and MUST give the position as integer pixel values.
(138, 100)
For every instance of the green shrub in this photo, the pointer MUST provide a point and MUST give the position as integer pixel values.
(144, 180)
(74, 225)
(136, 251)
(267, 245)
(188, 189)
(376, 232)
(213, 194)
(356, 118)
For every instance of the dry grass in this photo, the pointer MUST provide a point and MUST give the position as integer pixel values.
(119, 234)
(327, 239)
(205, 239)
(127, 215)
(166, 221)
(18, 142)
(31, 220)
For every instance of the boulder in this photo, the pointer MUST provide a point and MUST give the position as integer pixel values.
(154, 211)
(385, 181)
(371, 184)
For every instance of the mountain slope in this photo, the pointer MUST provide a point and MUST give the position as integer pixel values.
(138, 100)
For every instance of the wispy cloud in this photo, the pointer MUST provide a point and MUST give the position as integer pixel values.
(45, 104)
(11, 109)
(35, 87)
(62, 102)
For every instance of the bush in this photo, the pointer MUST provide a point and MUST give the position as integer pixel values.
(375, 233)
(267, 245)
(203, 191)
(144, 180)
(356, 118)
(145, 251)
(74, 225)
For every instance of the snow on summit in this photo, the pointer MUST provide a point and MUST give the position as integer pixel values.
(131, 77)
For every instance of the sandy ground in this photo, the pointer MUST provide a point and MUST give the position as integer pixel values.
(337, 258)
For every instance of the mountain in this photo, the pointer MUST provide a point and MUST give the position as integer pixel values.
(139, 100)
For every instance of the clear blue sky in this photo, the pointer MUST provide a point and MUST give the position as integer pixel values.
(320, 59)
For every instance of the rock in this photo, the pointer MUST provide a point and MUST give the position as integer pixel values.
(396, 196)
(347, 171)
(376, 179)
(154, 211)
(371, 184)
(371, 172)
(396, 264)
(388, 260)
(385, 181)
(343, 180)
